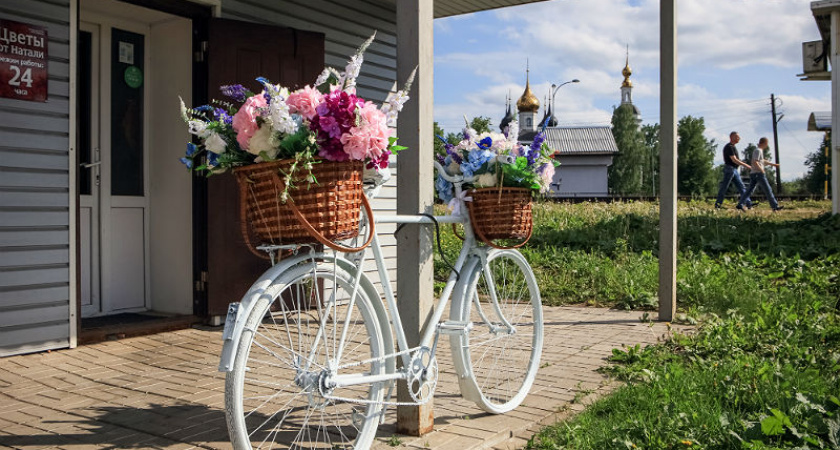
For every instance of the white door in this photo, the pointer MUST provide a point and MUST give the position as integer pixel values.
(113, 205)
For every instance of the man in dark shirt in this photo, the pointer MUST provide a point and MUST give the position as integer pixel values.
(731, 162)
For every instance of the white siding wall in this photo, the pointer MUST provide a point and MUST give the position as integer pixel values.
(34, 196)
(582, 176)
(346, 25)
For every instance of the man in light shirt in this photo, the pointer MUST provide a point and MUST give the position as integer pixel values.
(758, 178)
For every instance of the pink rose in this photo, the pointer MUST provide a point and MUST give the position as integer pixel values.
(245, 120)
(303, 102)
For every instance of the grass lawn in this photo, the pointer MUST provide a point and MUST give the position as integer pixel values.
(763, 368)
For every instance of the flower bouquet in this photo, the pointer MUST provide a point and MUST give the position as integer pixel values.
(299, 156)
(500, 177)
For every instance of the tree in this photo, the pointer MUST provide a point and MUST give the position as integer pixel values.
(695, 156)
(440, 148)
(628, 166)
(650, 177)
(814, 180)
(452, 138)
(480, 124)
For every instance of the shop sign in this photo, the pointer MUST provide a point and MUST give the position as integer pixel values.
(23, 61)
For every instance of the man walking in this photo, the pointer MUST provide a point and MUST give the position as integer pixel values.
(758, 178)
(730, 170)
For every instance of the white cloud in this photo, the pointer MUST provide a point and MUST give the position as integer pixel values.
(724, 45)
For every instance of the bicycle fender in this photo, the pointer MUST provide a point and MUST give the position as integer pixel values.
(238, 312)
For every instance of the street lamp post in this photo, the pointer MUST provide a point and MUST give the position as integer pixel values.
(555, 87)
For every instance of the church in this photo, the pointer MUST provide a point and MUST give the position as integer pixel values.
(584, 152)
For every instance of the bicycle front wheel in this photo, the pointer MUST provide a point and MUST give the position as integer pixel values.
(304, 330)
(501, 353)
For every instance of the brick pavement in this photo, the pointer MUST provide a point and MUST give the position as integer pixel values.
(163, 390)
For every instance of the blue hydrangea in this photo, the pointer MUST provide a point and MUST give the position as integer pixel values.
(212, 159)
(476, 159)
(445, 190)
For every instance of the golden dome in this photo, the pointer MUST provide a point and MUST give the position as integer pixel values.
(528, 102)
(627, 72)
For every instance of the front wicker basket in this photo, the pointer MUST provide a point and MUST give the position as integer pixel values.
(331, 206)
(501, 213)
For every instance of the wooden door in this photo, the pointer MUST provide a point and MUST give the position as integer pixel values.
(238, 53)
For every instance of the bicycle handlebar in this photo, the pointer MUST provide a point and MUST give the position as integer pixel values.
(455, 179)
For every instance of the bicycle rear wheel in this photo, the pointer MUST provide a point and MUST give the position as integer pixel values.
(501, 353)
(276, 395)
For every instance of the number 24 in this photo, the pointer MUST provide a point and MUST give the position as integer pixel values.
(17, 78)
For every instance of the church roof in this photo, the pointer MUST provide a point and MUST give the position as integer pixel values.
(584, 140)
(509, 117)
(627, 71)
(528, 102)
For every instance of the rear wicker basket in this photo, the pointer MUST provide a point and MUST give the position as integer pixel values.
(331, 206)
(501, 214)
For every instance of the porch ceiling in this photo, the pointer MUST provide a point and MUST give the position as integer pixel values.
(822, 14)
(447, 8)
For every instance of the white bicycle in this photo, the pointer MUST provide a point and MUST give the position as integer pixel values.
(309, 351)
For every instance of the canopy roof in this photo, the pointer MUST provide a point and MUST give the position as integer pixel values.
(819, 121)
(447, 8)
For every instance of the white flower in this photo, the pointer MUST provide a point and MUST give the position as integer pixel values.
(280, 118)
(215, 143)
(513, 130)
(198, 128)
(323, 77)
(184, 110)
(354, 66)
(486, 180)
(393, 105)
(469, 133)
(261, 142)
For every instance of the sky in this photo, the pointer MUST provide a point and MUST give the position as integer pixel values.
(732, 55)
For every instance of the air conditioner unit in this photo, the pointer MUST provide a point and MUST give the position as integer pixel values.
(814, 59)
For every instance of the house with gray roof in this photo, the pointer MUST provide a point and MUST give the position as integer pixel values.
(584, 152)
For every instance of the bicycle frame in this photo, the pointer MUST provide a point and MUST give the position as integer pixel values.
(238, 312)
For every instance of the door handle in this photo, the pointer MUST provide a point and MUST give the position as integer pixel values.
(89, 165)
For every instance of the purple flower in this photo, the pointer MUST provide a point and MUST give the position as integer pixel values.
(453, 154)
(485, 143)
(538, 140)
(222, 116)
(381, 161)
(235, 91)
(330, 126)
(534, 151)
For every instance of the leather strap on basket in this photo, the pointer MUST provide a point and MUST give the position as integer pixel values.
(243, 223)
(484, 239)
(320, 237)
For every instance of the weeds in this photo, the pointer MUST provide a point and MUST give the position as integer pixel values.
(763, 369)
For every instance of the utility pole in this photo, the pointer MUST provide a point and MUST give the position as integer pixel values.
(776, 121)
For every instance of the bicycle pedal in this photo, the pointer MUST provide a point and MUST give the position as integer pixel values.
(451, 327)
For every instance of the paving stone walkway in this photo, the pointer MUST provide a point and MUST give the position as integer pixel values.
(163, 390)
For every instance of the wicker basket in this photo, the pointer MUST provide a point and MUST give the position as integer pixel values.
(501, 213)
(326, 211)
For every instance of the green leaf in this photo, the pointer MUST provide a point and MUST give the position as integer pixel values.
(772, 426)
